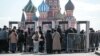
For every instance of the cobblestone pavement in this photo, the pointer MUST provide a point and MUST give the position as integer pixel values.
(41, 54)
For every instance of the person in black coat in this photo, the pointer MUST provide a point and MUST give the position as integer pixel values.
(82, 35)
(92, 39)
(41, 42)
(25, 43)
(97, 40)
(21, 40)
(4, 44)
(48, 38)
(68, 40)
(60, 32)
(74, 30)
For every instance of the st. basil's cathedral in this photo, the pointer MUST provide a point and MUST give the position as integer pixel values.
(49, 11)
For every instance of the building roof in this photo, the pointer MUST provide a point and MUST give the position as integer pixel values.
(43, 7)
(30, 7)
(59, 16)
(69, 5)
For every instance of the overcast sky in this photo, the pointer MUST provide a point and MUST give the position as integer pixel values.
(84, 10)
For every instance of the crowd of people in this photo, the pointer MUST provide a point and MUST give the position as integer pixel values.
(53, 41)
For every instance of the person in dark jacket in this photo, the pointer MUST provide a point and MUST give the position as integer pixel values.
(48, 38)
(4, 44)
(97, 40)
(29, 41)
(74, 30)
(41, 42)
(82, 35)
(0, 40)
(60, 32)
(69, 40)
(52, 30)
(92, 40)
(25, 43)
(21, 40)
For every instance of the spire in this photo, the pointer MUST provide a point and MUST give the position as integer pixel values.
(23, 17)
(69, 5)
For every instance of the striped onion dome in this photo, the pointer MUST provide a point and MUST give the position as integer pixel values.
(43, 7)
(29, 7)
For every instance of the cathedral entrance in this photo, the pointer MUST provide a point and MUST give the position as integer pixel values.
(63, 24)
(86, 33)
(46, 25)
(30, 25)
(11, 23)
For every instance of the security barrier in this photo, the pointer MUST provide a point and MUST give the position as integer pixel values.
(76, 42)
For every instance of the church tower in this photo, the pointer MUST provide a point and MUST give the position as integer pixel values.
(54, 7)
(30, 11)
(43, 10)
(69, 8)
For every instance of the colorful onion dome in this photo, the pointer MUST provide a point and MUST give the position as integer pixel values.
(29, 7)
(43, 7)
(69, 6)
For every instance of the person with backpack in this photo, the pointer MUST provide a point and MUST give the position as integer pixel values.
(36, 38)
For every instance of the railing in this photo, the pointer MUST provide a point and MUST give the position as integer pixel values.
(76, 42)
